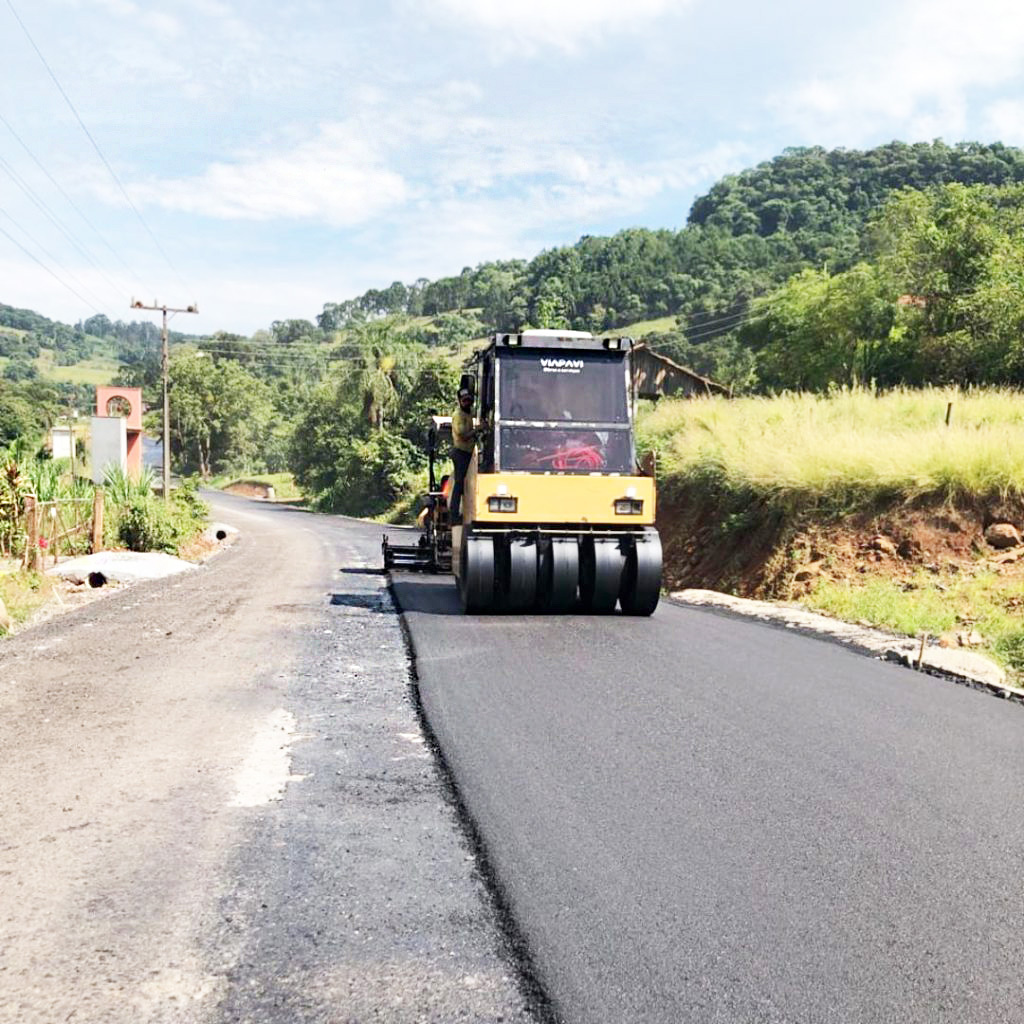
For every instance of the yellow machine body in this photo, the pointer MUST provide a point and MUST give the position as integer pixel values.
(550, 499)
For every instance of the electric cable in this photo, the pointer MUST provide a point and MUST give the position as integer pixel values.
(49, 255)
(42, 205)
(95, 145)
(56, 277)
(74, 206)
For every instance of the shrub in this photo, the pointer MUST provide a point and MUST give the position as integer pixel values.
(142, 522)
(1011, 649)
(145, 524)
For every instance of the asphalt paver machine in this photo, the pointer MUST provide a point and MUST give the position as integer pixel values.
(433, 550)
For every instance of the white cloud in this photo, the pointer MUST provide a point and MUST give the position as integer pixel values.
(914, 75)
(1004, 120)
(458, 167)
(557, 24)
(156, 21)
(467, 226)
(336, 177)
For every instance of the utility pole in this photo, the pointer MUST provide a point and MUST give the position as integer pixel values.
(165, 360)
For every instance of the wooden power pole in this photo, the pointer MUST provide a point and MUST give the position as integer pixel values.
(165, 360)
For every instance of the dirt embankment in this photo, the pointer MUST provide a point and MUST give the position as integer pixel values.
(251, 489)
(761, 551)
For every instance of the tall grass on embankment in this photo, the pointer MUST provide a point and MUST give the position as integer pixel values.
(845, 451)
(757, 494)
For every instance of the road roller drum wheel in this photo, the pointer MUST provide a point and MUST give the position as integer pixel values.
(602, 561)
(476, 582)
(558, 574)
(641, 581)
(519, 582)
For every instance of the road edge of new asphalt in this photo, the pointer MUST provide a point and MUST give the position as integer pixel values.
(513, 942)
(965, 667)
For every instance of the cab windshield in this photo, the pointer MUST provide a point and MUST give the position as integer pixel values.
(561, 385)
(564, 411)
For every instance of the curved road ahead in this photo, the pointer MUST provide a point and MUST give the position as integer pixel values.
(696, 818)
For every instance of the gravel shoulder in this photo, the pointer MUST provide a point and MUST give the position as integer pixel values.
(219, 806)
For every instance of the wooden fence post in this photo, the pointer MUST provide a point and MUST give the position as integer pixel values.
(97, 520)
(31, 533)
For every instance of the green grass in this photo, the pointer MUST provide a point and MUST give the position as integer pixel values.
(404, 511)
(848, 449)
(95, 371)
(984, 602)
(23, 593)
(642, 327)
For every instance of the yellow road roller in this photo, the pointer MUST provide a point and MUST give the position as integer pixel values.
(556, 514)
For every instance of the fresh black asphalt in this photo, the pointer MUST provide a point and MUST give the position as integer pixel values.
(699, 819)
(688, 818)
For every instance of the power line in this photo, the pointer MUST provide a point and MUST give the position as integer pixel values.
(57, 185)
(64, 283)
(42, 205)
(95, 145)
(49, 255)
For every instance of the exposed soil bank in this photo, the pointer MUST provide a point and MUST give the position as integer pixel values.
(915, 567)
(762, 551)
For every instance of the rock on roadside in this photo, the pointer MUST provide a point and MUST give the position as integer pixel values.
(1002, 535)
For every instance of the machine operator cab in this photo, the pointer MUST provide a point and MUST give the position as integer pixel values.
(555, 511)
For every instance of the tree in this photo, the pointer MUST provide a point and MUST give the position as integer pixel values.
(21, 368)
(383, 364)
(220, 415)
(27, 409)
(288, 332)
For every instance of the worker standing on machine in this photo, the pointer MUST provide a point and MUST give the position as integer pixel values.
(463, 443)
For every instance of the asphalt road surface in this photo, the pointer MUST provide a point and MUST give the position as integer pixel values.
(216, 805)
(700, 819)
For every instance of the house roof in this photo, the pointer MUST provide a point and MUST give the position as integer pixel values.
(712, 387)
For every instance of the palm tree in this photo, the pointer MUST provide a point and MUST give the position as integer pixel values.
(381, 368)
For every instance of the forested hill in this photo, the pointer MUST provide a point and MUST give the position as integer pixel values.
(748, 234)
(819, 199)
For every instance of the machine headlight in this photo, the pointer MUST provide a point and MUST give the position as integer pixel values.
(629, 506)
(502, 503)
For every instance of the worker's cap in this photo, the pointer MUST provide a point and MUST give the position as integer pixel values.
(465, 393)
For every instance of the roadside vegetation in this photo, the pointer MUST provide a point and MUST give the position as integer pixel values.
(977, 602)
(867, 507)
(139, 520)
(134, 519)
(845, 451)
(22, 594)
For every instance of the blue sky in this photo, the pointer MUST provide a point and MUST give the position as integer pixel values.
(287, 154)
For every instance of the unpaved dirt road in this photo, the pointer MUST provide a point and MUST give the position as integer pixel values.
(216, 804)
